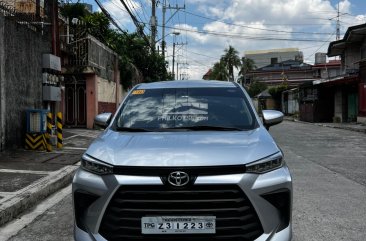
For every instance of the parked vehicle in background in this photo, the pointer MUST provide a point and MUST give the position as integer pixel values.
(184, 160)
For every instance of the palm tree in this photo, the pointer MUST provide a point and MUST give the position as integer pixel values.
(247, 65)
(231, 60)
(219, 71)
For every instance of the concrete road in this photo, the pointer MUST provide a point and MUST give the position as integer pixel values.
(329, 172)
(329, 177)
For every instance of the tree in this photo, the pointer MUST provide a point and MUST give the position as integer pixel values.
(71, 11)
(256, 88)
(97, 24)
(219, 71)
(231, 60)
(247, 65)
(276, 93)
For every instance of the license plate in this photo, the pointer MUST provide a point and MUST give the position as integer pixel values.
(178, 225)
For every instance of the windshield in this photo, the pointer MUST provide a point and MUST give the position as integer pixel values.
(191, 108)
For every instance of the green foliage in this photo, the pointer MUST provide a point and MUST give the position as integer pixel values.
(97, 25)
(76, 10)
(224, 69)
(246, 66)
(256, 88)
(277, 91)
(137, 60)
(219, 72)
(231, 59)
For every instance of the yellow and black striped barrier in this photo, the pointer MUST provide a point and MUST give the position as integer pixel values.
(49, 132)
(35, 142)
(59, 129)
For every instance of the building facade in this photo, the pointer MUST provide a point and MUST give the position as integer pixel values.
(264, 58)
(91, 76)
(350, 85)
(292, 72)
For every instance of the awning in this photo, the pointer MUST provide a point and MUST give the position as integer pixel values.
(338, 81)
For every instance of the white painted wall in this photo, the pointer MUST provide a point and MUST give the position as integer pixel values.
(106, 91)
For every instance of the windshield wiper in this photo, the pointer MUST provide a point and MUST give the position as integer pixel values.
(206, 128)
(131, 129)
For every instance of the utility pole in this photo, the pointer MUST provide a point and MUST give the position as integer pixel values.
(175, 34)
(177, 70)
(338, 35)
(176, 8)
(182, 66)
(174, 46)
(163, 30)
(173, 59)
(153, 24)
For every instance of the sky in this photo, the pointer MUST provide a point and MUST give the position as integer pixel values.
(207, 27)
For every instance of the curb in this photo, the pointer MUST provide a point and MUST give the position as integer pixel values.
(329, 126)
(32, 194)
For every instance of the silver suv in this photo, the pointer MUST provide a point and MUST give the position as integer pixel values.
(184, 160)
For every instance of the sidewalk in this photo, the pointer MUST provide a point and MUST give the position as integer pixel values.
(26, 177)
(357, 127)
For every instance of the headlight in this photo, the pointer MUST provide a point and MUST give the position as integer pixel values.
(266, 165)
(91, 165)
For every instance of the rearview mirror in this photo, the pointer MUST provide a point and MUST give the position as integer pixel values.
(103, 120)
(271, 117)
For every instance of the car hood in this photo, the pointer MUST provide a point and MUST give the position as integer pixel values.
(183, 148)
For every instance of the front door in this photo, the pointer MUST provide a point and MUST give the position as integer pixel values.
(75, 106)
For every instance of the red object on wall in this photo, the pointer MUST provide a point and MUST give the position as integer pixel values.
(362, 99)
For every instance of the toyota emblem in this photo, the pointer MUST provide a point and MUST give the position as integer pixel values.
(178, 179)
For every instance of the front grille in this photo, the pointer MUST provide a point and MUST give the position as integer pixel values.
(236, 218)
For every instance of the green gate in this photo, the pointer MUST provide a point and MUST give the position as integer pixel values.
(352, 107)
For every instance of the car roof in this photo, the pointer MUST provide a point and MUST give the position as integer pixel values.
(187, 84)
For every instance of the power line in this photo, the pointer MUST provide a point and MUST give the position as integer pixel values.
(142, 6)
(249, 27)
(135, 21)
(122, 9)
(240, 36)
(132, 6)
(201, 54)
(106, 13)
(308, 57)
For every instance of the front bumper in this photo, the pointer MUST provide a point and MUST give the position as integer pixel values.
(256, 188)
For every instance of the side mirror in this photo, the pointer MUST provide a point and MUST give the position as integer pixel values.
(102, 120)
(271, 117)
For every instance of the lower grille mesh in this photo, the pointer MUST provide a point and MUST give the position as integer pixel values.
(236, 218)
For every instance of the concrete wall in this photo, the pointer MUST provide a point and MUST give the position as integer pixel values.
(106, 91)
(339, 106)
(2, 84)
(21, 52)
(352, 55)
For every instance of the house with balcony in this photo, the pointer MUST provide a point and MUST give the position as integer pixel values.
(350, 86)
(341, 96)
(91, 76)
